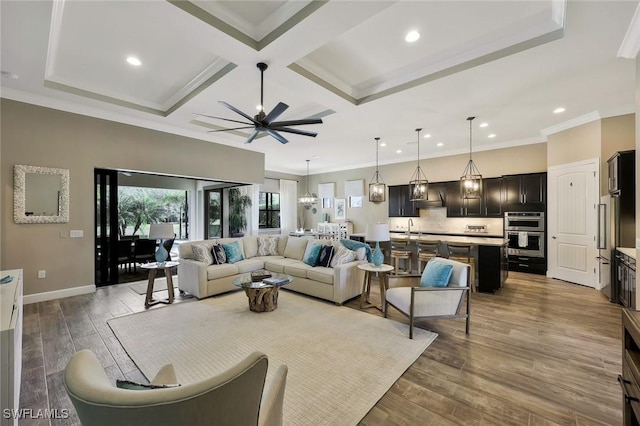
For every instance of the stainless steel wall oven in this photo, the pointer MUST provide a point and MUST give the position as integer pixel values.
(525, 235)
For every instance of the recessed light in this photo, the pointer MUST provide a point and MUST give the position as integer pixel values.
(492, 135)
(412, 36)
(399, 151)
(383, 144)
(439, 144)
(559, 110)
(132, 60)
(315, 156)
(427, 136)
(484, 124)
(259, 107)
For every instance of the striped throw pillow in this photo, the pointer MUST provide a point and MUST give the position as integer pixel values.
(268, 246)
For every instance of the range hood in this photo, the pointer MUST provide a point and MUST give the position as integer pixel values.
(436, 199)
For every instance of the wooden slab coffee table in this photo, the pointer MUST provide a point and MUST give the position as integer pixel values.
(262, 295)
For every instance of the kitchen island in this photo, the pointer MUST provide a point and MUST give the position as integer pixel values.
(490, 255)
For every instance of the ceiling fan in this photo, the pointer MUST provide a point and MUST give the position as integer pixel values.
(266, 122)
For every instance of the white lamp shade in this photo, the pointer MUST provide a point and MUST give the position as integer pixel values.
(161, 231)
(377, 232)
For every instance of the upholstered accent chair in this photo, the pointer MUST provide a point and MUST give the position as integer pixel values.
(234, 397)
(433, 302)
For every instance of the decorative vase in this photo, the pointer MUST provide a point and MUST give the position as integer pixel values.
(377, 257)
(161, 254)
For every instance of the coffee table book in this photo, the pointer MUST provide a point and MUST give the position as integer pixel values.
(259, 275)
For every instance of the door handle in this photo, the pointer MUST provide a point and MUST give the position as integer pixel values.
(554, 237)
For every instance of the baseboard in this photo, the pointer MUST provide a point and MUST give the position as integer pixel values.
(57, 294)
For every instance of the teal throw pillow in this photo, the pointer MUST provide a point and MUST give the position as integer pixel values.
(233, 252)
(311, 254)
(436, 274)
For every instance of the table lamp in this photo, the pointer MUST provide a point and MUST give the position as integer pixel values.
(377, 232)
(161, 231)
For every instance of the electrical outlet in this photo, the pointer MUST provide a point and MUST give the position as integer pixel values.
(42, 273)
(76, 233)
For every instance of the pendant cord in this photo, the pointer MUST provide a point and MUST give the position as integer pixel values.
(418, 130)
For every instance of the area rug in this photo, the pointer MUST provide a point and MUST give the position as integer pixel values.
(159, 284)
(341, 361)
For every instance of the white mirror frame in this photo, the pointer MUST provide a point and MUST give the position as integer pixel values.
(19, 194)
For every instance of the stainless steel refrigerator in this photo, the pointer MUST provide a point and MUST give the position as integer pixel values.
(606, 244)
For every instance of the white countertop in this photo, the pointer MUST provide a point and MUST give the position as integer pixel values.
(631, 252)
(459, 233)
(480, 241)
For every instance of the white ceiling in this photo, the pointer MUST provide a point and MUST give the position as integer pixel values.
(509, 63)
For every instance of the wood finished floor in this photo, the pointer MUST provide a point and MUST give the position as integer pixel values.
(540, 352)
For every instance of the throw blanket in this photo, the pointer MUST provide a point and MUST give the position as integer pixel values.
(355, 245)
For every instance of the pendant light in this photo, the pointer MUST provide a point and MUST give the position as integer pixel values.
(418, 185)
(377, 188)
(471, 179)
(308, 200)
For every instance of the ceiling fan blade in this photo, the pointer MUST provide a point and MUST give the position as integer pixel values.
(296, 131)
(277, 136)
(237, 111)
(233, 128)
(220, 118)
(253, 136)
(276, 112)
(297, 122)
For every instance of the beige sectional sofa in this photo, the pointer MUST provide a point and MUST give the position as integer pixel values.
(336, 284)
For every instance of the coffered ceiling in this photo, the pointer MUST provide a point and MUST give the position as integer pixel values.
(509, 63)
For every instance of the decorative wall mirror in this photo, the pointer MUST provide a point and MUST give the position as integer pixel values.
(40, 195)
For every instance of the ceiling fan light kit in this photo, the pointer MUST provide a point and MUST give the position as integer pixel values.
(377, 188)
(265, 123)
(418, 185)
(308, 200)
(471, 179)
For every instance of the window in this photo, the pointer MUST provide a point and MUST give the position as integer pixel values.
(269, 210)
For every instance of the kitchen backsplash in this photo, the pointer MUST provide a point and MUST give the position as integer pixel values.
(436, 220)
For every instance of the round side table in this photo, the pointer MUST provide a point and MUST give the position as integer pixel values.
(383, 279)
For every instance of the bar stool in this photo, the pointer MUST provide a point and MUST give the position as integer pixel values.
(427, 250)
(400, 251)
(462, 253)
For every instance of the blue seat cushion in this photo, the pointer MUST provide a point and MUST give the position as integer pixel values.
(436, 274)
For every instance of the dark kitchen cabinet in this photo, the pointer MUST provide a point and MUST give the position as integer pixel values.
(621, 172)
(492, 268)
(625, 279)
(492, 197)
(526, 192)
(400, 204)
(490, 205)
(458, 207)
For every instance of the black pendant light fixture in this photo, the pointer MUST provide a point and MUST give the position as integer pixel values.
(418, 185)
(377, 188)
(308, 200)
(471, 179)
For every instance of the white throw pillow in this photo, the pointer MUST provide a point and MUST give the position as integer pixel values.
(268, 246)
(295, 248)
(342, 255)
(361, 253)
(202, 253)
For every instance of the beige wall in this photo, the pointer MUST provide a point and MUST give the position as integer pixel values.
(38, 136)
(575, 144)
(521, 159)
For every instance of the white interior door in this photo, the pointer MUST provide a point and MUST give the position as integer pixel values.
(573, 194)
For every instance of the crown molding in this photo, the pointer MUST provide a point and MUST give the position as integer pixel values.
(630, 45)
(569, 124)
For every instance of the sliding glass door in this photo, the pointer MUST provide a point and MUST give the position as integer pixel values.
(213, 213)
(106, 227)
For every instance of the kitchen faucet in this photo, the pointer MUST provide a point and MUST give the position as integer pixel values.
(409, 226)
